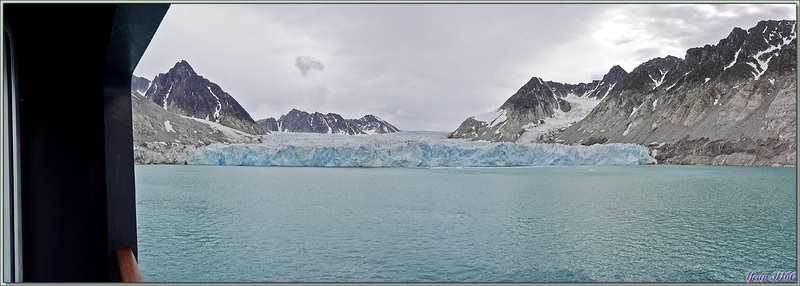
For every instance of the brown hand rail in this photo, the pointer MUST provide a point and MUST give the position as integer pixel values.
(127, 266)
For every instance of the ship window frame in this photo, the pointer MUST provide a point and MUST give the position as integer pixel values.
(12, 258)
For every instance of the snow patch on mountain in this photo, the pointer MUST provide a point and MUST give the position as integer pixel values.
(658, 82)
(609, 89)
(492, 118)
(168, 126)
(581, 106)
(167, 97)
(735, 58)
(219, 104)
(230, 132)
(761, 67)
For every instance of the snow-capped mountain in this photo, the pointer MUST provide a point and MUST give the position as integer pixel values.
(733, 103)
(535, 106)
(301, 121)
(179, 111)
(182, 91)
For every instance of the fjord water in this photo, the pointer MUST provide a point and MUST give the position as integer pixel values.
(523, 224)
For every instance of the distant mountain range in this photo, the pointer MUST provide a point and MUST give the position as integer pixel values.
(733, 103)
(180, 110)
(301, 121)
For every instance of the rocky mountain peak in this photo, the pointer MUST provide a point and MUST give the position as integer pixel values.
(737, 35)
(530, 95)
(181, 90)
(647, 76)
(535, 84)
(535, 99)
(372, 124)
(594, 89)
(370, 117)
(610, 79)
(614, 74)
(294, 113)
(183, 68)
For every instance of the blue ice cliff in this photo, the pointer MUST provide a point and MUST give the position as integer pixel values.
(411, 149)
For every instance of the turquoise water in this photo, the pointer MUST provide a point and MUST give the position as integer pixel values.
(528, 224)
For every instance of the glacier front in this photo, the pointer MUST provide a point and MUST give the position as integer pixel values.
(409, 149)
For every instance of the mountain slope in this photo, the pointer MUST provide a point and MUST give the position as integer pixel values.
(301, 121)
(184, 92)
(733, 103)
(162, 137)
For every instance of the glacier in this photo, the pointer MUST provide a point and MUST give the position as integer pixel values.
(410, 149)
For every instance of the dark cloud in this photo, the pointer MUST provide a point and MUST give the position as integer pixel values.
(307, 63)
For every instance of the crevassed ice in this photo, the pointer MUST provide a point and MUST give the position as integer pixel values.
(415, 153)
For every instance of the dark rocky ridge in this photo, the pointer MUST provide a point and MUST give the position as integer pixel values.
(595, 89)
(184, 92)
(564, 89)
(269, 123)
(733, 103)
(535, 97)
(139, 84)
(301, 121)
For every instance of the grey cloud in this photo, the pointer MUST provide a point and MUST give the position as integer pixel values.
(307, 63)
(694, 26)
(624, 40)
(439, 63)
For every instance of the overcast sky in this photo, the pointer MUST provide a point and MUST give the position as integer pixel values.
(423, 67)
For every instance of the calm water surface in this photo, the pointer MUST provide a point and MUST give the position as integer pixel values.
(527, 224)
